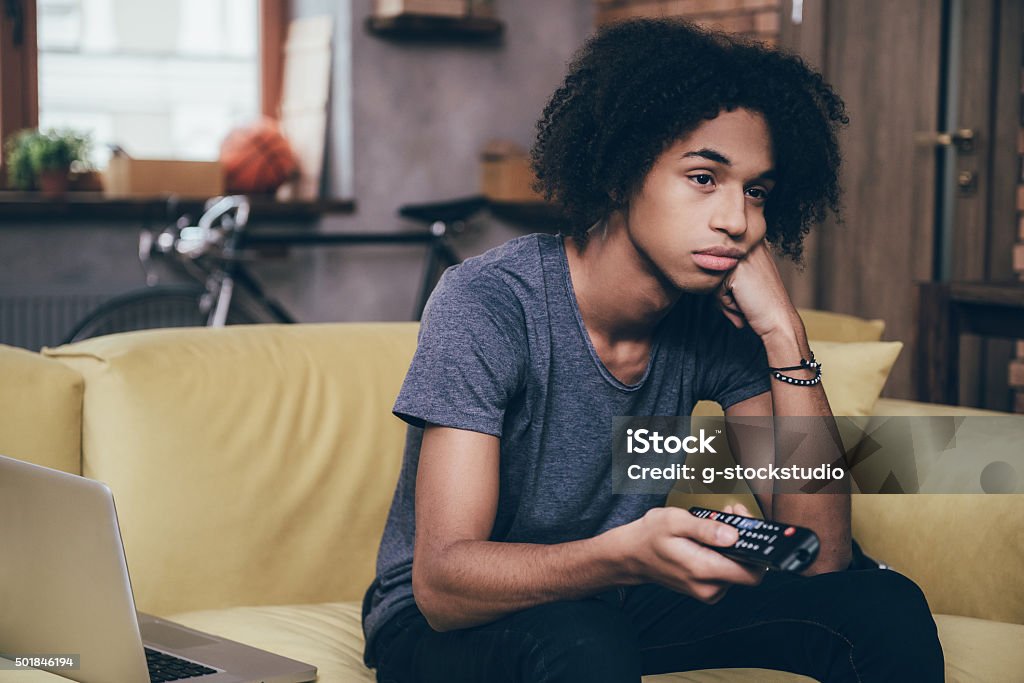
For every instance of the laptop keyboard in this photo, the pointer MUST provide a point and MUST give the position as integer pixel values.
(164, 667)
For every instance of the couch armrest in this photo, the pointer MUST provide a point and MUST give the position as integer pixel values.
(964, 550)
(889, 407)
(40, 410)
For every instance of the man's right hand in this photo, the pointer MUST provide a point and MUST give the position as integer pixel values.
(668, 546)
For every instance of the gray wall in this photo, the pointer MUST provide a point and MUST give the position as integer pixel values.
(420, 113)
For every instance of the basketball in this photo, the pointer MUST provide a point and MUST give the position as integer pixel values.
(257, 158)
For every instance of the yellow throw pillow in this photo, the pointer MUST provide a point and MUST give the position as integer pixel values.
(829, 326)
(853, 375)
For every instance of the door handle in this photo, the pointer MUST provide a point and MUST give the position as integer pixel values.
(962, 139)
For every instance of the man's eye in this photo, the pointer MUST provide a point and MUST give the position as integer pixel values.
(758, 193)
(702, 179)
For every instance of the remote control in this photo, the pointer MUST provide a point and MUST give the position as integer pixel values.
(778, 546)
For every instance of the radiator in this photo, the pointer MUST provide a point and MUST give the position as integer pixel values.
(33, 322)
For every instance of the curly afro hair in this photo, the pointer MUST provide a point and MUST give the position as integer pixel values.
(636, 87)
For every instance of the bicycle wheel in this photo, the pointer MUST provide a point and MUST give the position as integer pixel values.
(150, 308)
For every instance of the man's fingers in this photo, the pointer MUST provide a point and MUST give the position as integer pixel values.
(726, 301)
(730, 309)
(751, 574)
(710, 566)
(736, 319)
(710, 532)
(741, 509)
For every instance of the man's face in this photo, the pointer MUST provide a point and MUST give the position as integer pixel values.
(706, 191)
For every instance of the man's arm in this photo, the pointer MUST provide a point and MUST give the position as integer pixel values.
(754, 295)
(827, 513)
(460, 579)
(753, 447)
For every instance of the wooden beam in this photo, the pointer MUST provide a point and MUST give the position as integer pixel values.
(274, 17)
(19, 71)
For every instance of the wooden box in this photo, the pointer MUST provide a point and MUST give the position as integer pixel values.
(505, 174)
(127, 177)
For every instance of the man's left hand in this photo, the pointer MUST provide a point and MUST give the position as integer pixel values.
(753, 294)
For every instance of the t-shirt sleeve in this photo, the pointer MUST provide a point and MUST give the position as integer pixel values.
(470, 357)
(733, 361)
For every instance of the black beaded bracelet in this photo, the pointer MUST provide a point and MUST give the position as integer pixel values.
(804, 365)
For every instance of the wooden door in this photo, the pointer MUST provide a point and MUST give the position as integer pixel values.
(982, 227)
(908, 70)
(882, 58)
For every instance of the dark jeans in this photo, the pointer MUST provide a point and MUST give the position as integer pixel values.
(871, 625)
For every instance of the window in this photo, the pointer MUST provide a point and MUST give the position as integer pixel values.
(161, 79)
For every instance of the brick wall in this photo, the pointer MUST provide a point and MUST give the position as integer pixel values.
(753, 18)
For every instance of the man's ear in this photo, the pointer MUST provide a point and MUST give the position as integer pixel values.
(619, 201)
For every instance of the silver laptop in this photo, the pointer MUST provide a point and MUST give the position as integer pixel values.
(65, 594)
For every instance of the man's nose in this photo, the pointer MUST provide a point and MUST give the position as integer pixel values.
(730, 214)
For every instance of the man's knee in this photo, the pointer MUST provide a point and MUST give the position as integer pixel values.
(893, 625)
(889, 600)
(581, 640)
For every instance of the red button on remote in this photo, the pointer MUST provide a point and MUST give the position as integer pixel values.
(789, 531)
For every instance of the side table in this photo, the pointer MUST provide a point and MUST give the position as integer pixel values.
(946, 310)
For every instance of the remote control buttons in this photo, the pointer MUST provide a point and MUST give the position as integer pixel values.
(789, 531)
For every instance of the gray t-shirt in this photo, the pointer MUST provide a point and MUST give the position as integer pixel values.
(503, 350)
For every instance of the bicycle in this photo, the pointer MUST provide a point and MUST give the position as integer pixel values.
(213, 254)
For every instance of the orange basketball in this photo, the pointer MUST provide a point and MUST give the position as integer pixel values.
(257, 158)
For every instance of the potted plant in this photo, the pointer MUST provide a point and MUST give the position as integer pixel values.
(39, 160)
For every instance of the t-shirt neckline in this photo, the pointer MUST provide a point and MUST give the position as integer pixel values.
(563, 261)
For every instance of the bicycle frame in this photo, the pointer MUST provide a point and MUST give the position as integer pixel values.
(221, 235)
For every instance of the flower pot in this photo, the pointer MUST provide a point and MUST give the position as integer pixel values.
(54, 182)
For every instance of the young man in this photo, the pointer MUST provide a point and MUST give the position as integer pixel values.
(678, 155)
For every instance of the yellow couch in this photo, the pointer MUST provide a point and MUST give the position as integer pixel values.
(253, 468)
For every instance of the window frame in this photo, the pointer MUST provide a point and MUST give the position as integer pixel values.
(19, 64)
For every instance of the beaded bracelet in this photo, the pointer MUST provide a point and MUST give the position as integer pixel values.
(804, 365)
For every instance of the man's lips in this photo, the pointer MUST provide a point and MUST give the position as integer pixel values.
(718, 258)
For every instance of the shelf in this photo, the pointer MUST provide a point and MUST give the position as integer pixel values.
(532, 216)
(426, 28)
(22, 207)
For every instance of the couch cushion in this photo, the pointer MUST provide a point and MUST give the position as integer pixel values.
(329, 637)
(829, 326)
(40, 410)
(250, 464)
